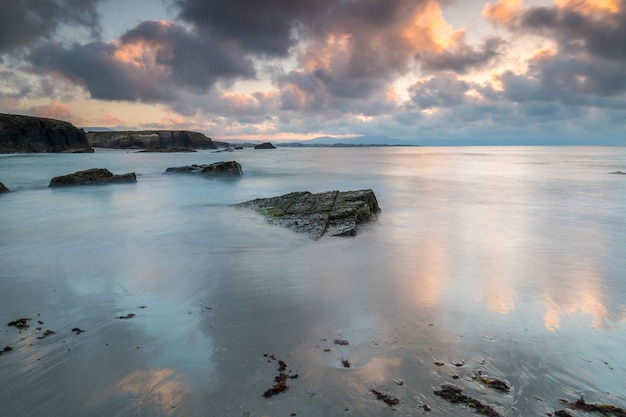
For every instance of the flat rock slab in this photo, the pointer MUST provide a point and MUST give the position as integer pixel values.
(94, 176)
(336, 213)
(217, 169)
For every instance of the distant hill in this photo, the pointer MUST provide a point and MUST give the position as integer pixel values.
(368, 140)
(97, 129)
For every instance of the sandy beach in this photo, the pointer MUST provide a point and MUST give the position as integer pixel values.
(187, 306)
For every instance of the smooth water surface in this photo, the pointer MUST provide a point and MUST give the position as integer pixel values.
(505, 260)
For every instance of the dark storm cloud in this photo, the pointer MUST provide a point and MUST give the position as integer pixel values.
(272, 27)
(95, 67)
(24, 22)
(576, 80)
(440, 91)
(194, 60)
(176, 59)
(601, 36)
(258, 26)
(462, 58)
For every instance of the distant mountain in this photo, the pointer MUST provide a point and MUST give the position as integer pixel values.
(355, 141)
(97, 129)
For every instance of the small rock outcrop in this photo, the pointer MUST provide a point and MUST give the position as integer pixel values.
(217, 169)
(265, 145)
(29, 134)
(151, 139)
(336, 213)
(94, 176)
(3, 189)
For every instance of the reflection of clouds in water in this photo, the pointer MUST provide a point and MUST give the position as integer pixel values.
(583, 294)
(379, 370)
(162, 389)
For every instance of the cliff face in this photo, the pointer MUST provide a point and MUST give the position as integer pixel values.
(38, 134)
(150, 139)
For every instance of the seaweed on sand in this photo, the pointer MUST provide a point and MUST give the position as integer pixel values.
(604, 409)
(280, 379)
(386, 398)
(454, 395)
(494, 383)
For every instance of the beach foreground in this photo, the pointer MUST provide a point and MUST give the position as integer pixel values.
(162, 299)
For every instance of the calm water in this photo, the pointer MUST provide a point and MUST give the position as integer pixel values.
(511, 261)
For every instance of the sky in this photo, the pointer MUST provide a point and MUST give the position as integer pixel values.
(428, 71)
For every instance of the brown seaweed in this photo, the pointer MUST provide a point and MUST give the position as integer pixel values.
(604, 409)
(454, 395)
(494, 383)
(386, 398)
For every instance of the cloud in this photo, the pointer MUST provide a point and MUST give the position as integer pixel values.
(462, 58)
(99, 71)
(148, 63)
(441, 91)
(53, 111)
(25, 22)
(264, 27)
(597, 28)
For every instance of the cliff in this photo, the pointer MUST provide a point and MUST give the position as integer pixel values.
(150, 139)
(37, 134)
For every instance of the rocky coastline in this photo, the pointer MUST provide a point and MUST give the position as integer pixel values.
(28, 134)
(158, 140)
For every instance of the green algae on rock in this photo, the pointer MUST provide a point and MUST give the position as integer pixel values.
(336, 213)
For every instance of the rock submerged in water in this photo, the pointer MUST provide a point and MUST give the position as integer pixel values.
(217, 169)
(336, 213)
(265, 145)
(94, 176)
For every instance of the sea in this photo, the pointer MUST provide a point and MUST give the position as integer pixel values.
(161, 298)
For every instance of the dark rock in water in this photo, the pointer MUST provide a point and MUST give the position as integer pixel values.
(3, 189)
(217, 169)
(265, 145)
(38, 134)
(618, 172)
(334, 212)
(150, 139)
(94, 176)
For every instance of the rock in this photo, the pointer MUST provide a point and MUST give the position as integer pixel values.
(334, 212)
(38, 134)
(151, 139)
(3, 189)
(217, 169)
(94, 176)
(265, 145)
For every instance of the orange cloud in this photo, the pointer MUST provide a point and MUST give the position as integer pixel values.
(110, 120)
(53, 111)
(139, 52)
(502, 12)
(590, 7)
(428, 31)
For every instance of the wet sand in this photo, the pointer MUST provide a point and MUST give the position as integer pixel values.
(449, 281)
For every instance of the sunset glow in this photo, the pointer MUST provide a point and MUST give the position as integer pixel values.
(337, 68)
